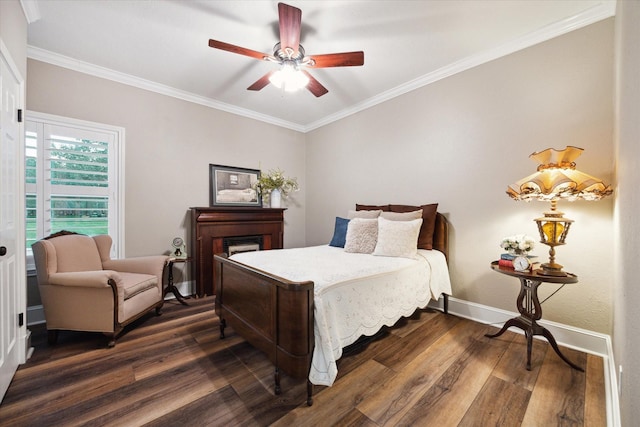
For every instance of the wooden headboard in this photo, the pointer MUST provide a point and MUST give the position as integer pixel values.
(441, 235)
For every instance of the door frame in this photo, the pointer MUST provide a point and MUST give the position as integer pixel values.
(23, 334)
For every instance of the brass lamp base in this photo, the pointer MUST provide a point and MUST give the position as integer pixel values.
(553, 228)
(549, 269)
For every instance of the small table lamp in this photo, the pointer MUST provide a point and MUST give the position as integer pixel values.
(557, 178)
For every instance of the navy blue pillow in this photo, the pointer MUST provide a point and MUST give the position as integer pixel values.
(339, 233)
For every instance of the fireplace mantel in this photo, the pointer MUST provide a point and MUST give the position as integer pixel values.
(210, 227)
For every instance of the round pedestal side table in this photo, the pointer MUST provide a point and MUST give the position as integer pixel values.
(530, 309)
(170, 286)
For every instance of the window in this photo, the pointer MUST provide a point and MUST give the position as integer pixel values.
(73, 179)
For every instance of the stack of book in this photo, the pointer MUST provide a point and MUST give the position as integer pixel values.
(506, 260)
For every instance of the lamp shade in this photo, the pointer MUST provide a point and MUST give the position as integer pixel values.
(557, 178)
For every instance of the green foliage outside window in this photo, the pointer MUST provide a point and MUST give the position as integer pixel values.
(85, 215)
(78, 164)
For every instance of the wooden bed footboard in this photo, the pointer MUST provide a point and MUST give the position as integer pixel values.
(273, 314)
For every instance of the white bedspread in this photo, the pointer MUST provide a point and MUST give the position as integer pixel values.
(354, 294)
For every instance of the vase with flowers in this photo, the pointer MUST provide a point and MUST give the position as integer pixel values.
(275, 185)
(519, 244)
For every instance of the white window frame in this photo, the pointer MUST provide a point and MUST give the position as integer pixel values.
(116, 181)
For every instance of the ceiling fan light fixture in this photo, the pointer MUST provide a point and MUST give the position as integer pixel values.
(289, 53)
(289, 77)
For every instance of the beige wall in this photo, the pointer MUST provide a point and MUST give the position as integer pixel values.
(169, 146)
(626, 327)
(461, 141)
(13, 32)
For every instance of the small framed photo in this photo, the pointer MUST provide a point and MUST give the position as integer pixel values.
(232, 186)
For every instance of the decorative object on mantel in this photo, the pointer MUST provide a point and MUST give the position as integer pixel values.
(233, 186)
(557, 178)
(275, 185)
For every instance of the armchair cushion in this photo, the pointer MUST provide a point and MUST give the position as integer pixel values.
(134, 283)
(131, 283)
(89, 279)
(153, 264)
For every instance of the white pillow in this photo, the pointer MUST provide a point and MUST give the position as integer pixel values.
(397, 238)
(362, 235)
(363, 214)
(402, 216)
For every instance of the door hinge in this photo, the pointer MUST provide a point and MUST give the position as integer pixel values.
(20, 319)
(19, 115)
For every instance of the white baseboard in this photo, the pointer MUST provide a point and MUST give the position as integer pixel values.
(567, 336)
(35, 315)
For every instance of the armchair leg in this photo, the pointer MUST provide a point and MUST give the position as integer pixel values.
(113, 335)
(112, 340)
(52, 336)
(158, 311)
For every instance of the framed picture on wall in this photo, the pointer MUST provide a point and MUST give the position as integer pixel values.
(232, 186)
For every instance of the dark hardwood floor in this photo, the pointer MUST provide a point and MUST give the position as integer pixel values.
(431, 369)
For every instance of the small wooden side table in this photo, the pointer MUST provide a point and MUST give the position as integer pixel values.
(170, 286)
(530, 308)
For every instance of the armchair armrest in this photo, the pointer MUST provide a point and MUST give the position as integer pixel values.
(87, 279)
(153, 264)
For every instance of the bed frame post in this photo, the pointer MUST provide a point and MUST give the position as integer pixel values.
(276, 377)
(223, 324)
(441, 243)
(309, 393)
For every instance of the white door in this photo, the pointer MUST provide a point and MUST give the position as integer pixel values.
(11, 283)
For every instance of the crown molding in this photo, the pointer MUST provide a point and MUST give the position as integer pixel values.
(599, 12)
(31, 10)
(127, 79)
(602, 11)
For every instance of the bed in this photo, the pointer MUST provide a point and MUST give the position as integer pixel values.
(302, 306)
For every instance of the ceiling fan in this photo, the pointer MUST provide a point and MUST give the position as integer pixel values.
(291, 57)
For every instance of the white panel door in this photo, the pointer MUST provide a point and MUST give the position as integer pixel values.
(10, 198)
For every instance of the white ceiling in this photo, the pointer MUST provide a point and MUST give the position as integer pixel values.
(162, 45)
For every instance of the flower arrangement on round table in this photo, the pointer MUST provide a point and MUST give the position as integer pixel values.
(275, 185)
(519, 244)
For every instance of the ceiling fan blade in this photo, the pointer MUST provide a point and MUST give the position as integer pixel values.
(346, 59)
(314, 86)
(237, 49)
(261, 82)
(290, 21)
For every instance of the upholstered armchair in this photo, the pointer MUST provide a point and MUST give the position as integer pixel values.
(83, 289)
